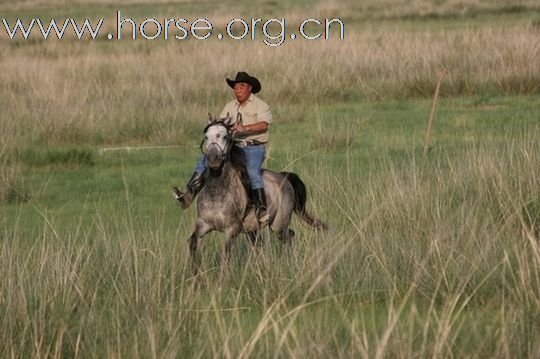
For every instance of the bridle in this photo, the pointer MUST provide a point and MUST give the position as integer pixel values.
(228, 125)
(222, 151)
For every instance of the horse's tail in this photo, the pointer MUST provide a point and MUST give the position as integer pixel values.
(300, 197)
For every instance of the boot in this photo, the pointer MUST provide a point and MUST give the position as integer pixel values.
(193, 187)
(260, 206)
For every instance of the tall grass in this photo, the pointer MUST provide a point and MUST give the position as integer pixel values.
(436, 258)
(103, 93)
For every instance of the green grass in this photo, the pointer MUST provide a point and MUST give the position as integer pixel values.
(424, 257)
(357, 136)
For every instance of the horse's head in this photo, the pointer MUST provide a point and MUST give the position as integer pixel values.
(218, 140)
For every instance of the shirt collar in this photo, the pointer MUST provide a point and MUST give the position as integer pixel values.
(250, 99)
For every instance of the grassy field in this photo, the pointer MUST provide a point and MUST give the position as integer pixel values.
(425, 257)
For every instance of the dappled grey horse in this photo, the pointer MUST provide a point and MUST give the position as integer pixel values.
(223, 204)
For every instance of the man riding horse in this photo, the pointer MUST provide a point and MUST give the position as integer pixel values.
(251, 134)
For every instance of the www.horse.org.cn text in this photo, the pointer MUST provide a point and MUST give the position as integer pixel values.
(272, 32)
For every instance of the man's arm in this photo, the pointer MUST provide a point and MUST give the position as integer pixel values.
(264, 117)
(254, 128)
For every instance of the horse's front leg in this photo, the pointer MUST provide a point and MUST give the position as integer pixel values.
(231, 234)
(201, 229)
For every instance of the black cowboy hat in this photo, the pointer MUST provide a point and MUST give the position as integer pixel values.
(244, 77)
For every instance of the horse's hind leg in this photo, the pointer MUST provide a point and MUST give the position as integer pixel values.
(281, 222)
(201, 228)
(285, 235)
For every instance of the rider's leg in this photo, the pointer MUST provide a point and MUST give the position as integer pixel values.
(254, 160)
(194, 185)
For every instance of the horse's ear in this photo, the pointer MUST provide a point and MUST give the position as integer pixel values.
(238, 118)
(210, 119)
(228, 119)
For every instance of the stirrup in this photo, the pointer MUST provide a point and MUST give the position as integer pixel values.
(264, 218)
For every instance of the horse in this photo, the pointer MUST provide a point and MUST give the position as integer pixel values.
(223, 204)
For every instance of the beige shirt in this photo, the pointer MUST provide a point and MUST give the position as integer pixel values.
(253, 110)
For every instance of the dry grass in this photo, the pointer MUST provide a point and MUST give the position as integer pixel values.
(58, 92)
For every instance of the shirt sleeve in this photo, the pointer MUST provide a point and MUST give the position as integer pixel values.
(264, 114)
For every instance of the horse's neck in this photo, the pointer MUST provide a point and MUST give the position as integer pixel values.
(225, 186)
(221, 179)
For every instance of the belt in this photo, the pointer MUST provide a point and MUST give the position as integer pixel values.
(244, 143)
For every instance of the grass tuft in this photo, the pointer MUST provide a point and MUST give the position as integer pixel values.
(40, 157)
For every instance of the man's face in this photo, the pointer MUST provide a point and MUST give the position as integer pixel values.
(242, 91)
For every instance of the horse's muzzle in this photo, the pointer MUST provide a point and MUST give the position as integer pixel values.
(214, 157)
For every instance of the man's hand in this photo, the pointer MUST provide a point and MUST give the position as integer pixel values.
(239, 128)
